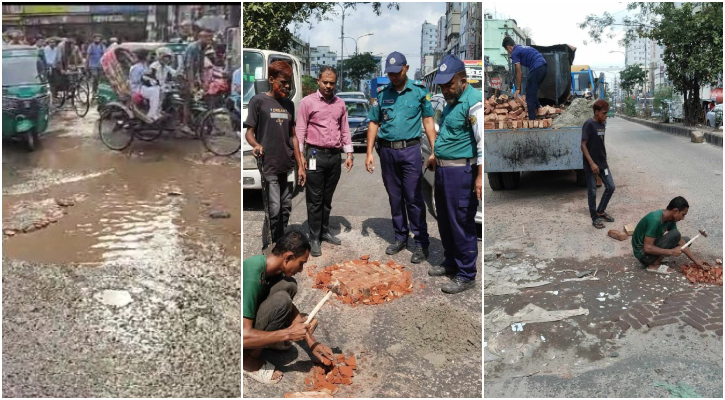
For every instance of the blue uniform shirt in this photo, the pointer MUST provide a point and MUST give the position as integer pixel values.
(400, 115)
(528, 57)
(461, 128)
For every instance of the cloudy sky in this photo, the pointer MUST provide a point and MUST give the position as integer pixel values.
(556, 22)
(392, 30)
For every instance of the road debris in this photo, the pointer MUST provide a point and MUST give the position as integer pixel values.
(695, 274)
(329, 377)
(619, 235)
(578, 112)
(497, 320)
(366, 282)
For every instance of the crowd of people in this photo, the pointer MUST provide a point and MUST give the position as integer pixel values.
(202, 68)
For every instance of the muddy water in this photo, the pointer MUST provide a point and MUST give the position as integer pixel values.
(141, 204)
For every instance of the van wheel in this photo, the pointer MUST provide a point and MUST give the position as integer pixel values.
(495, 180)
(511, 180)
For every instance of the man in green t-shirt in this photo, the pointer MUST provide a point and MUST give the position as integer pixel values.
(656, 236)
(270, 318)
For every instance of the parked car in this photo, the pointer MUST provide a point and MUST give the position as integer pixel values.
(438, 103)
(357, 119)
(714, 117)
(352, 95)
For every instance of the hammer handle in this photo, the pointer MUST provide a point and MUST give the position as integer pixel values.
(690, 242)
(317, 307)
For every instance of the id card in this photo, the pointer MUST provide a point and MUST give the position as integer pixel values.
(606, 171)
(312, 164)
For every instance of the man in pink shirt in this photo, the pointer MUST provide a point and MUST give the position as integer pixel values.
(323, 135)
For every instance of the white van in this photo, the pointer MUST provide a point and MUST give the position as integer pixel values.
(255, 64)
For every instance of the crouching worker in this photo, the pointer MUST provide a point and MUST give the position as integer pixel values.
(656, 236)
(271, 320)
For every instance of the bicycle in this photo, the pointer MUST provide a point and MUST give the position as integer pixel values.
(220, 130)
(74, 87)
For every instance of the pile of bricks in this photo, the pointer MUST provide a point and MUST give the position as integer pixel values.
(366, 282)
(695, 274)
(328, 378)
(502, 112)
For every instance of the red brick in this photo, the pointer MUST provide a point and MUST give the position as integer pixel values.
(713, 327)
(637, 315)
(715, 320)
(623, 325)
(719, 332)
(700, 313)
(693, 324)
(666, 316)
(669, 309)
(632, 321)
(696, 318)
(643, 310)
(662, 322)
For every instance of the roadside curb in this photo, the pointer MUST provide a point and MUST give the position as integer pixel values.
(710, 137)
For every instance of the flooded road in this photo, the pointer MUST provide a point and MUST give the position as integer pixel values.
(160, 221)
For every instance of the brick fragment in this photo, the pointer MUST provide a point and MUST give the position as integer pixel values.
(631, 320)
(623, 325)
(692, 323)
(696, 318)
(662, 322)
(698, 312)
(715, 320)
(719, 332)
(669, 315)
(643, 310)
(713, 327)
(637, 315)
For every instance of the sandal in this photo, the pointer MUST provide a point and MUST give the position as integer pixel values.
(663, 269)
(598, 223)
(264, 374)
(606, 217)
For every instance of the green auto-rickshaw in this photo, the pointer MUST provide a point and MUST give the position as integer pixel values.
(26, 94)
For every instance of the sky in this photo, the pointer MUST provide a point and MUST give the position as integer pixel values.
(556, 22)
(392, 30)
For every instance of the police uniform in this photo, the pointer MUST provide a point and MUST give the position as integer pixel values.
(400, 117)
(458, 153)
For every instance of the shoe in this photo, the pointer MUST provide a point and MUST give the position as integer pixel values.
(396, 247)
(315, 250)
(457, 285)
(439, 270)
(419, 255)
(326, 237)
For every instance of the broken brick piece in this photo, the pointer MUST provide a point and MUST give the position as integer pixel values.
(662, 322)
(692, 323)
(346, 371)
(351, 362)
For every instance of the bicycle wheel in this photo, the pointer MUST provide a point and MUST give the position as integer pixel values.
(81, 100)
(218, 133)
(114, 128)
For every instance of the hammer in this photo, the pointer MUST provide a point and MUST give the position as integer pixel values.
(703, 232)
(334, 287)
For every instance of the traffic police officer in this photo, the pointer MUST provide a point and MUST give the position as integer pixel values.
(457, 164)
(400, 108)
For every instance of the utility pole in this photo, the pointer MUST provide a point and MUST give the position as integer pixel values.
(342, 48)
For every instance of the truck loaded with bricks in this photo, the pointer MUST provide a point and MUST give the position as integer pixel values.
(514, 144)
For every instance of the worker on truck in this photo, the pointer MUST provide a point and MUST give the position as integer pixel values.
(535, 62)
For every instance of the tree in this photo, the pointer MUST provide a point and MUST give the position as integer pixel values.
(266, 23)
(309, 85)
(663, 93)
(358, 67)
(693, 42)
(632, 76)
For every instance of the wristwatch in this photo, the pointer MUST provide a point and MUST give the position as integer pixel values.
(351, 157)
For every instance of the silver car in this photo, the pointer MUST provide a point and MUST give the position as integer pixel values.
(714, 117)
(438, 103)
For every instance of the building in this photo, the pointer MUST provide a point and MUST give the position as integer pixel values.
(453, 27)
(472, 43)
(494, 32)
(428, 42)
(301, 49)
(321, 55)
(441, 43)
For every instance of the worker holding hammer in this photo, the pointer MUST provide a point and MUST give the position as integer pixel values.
(656, 236)
(271, 320)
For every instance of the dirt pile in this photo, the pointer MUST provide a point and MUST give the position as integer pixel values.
(578, 112)
(366, 282)
(29, 216)
(695, 274)
(328, 378)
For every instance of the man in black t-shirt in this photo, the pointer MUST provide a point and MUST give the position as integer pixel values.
(595, 164)
(271, 132)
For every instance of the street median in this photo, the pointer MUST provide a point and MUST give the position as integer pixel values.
(714, 138)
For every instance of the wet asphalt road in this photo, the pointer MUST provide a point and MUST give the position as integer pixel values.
(545, 233)
(425, 344)
(139, 224)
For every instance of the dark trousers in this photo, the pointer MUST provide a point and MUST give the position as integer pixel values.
(279, 197)
(275, 310)
(456, 205)
(402, 175)
(533, 82)
(669, 240)
(320, 187)
(592, 192)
